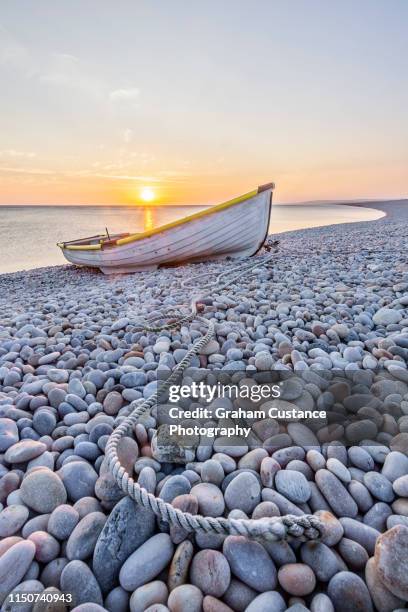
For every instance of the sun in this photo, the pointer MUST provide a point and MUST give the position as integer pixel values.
(147, 194)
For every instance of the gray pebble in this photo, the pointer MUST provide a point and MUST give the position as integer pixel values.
(213, 472)
(13, 565)
(267, 602)
(361, 533)
(51, 574)
(85, 505)
(77, 578)
(8, 434)
(280, 552)
(348, 591)
(12, 518)
(82, 541)
(243, 493)
(129, 525)
(24, 451)
(336, 494)
(79, 479)
(361, 495)
(117, 600)
(239, 595)
(250, 563)
(293, 485)
(377, 516)
(379, 486)
(284, 455)
(338, 469)
(360, 458)
(316, 500)
(320, 558)
(315, 459)
(353, 553)
(43, 491)
(147, 479)
(146, 562)
(173, 487)
(400, 486)
(395, 465)
(285, 506)
(37, 523)
(321, 603)
(62, 521)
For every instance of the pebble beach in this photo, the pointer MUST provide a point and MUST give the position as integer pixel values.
(331, 307)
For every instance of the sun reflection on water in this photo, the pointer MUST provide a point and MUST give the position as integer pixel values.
(148, 219)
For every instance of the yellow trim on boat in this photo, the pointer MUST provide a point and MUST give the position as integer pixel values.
(198, 215)
(81, 247)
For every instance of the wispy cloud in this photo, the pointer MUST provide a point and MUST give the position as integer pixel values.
(39, 171)
(130, 94)
(12, 153)
(162, 176)
(129, 177)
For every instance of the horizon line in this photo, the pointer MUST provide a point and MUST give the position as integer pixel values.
(158, 205)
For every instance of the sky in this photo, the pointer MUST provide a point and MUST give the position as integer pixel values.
(201, 101)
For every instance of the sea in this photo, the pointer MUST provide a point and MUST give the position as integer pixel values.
(29, 233)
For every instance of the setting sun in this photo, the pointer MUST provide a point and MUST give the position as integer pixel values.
(147, 194)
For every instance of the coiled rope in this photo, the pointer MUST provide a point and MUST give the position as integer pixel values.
(270, 528)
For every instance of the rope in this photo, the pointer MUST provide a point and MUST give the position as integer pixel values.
(271, 528)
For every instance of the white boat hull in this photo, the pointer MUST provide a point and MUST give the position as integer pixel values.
(236, 231)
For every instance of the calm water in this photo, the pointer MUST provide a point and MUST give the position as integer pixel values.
(29, 233)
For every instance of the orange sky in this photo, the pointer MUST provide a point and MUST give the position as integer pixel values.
(201, 102)
(317, 184)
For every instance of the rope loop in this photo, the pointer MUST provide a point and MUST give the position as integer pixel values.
(269, 529)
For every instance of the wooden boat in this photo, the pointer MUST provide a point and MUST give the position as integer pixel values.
(234, 229)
